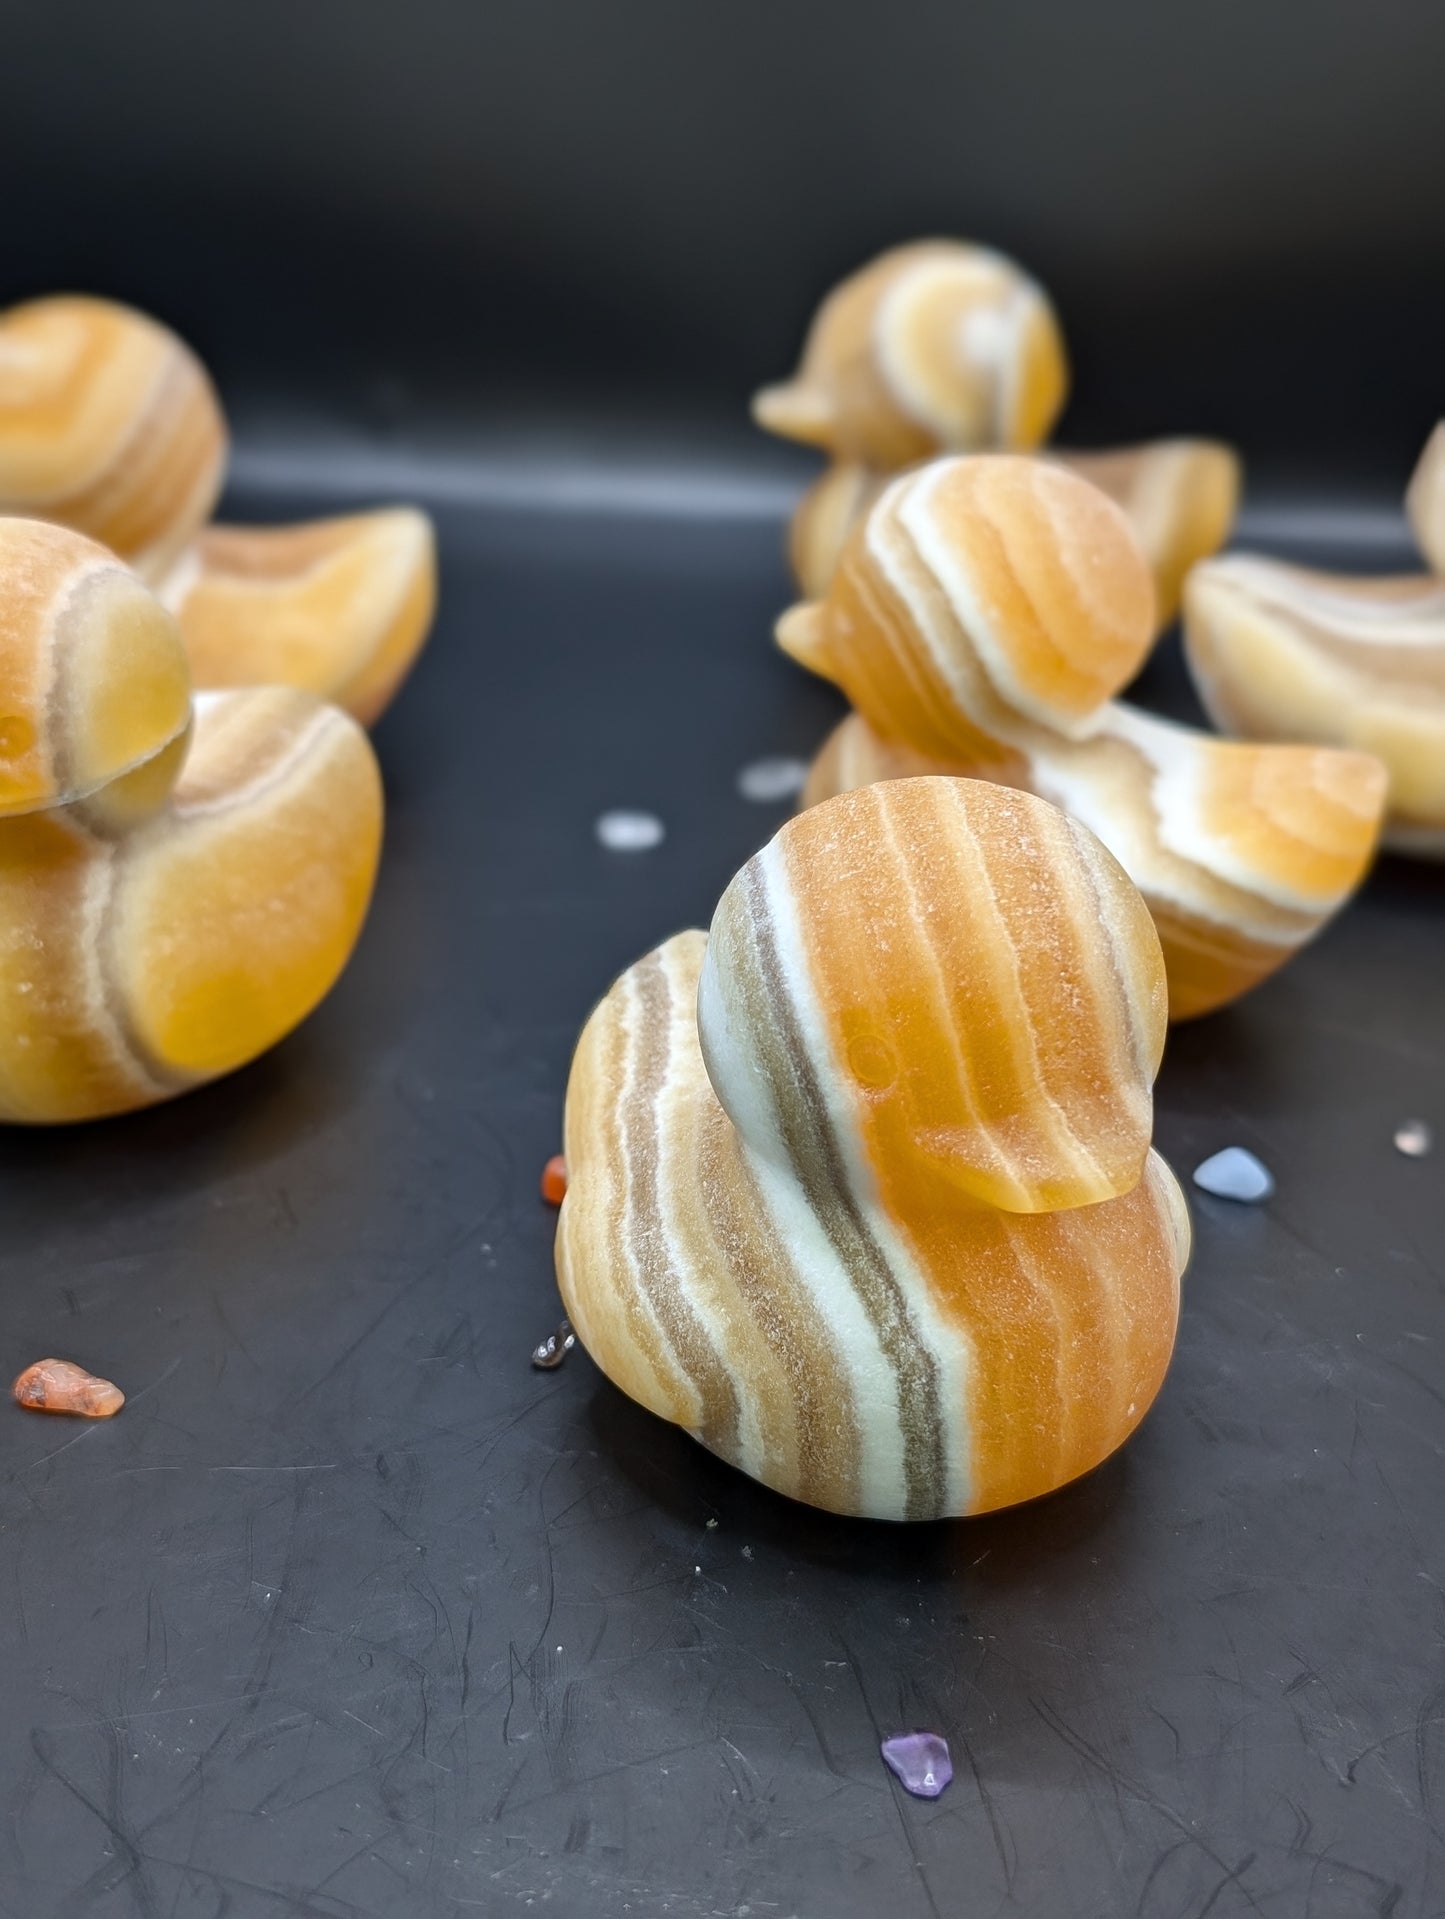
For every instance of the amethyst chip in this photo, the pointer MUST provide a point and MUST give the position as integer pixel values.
(921, 1762)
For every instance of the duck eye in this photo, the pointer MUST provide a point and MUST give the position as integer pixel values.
(871, 1062)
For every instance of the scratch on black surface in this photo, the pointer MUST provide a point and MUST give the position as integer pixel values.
(1301, 1238)
(1408, 1372)
(493, 1440)
(1229, 1879)
(182, 1877)
(366, 1850)
(453, 1246)
(86, 1432)
(1389, 1891)
(514, 1667)
(268, 1800)
(1378, 1745)
(459, 1668)
(824, 1750)
(466, 1663)
(1307, 1676)
(155, 1630)
(132, 1861)
(1002, 1840)
(290, 1905)
(894, 1788)
(1119, 1781)
(587, 1492)
(577, 1784)
(507, 1790)
(1395, 1500)
(1165, 1720)
(269, 1803)
(1160, 1862)
(546, 1625)
(259, 1676)
(1355, 1437)
(1426, 1761)
(218, 1307)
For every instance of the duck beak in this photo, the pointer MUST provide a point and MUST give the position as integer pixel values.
(795, 411)
(802, 633)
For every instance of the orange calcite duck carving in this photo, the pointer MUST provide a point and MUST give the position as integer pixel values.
(860, 1185)
(180, 883)
(1286, 652)
(982, 619)
(944, 347)
(109, 425)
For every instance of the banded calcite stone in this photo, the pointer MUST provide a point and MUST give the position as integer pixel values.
(109, 425)
(180, 883)
(939, 344)
(1288, 653)
(1180, 497)
(860, 1190)
(980, 622)
(339, 607)
(945, 347)
(1425, 501)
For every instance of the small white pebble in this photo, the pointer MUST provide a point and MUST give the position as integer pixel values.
(1413, 1138)
(767, 781)
(625, 832)
(1234, 1173)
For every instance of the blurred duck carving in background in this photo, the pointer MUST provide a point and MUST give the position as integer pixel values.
(1288, 653)
(110, 425)
(180, 883)
(983, 617)
(945, 347)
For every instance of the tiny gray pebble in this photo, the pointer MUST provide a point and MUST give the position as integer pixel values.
(627, 832)
(554, 1348)
(1234, 1173)
(1413, 1138)
(768, 781)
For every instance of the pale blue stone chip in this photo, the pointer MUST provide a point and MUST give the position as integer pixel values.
(1235, 1173)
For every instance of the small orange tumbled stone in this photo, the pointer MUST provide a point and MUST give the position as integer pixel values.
(554, 1180)
(60, 1386)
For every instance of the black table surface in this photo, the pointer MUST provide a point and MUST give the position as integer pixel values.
(352, 1612)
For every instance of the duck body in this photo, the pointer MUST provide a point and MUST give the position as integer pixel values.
(981, 621)
(860, 1190)
(180, 882)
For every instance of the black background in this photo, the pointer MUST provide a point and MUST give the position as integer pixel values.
(415, 208)
(351, 1614)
